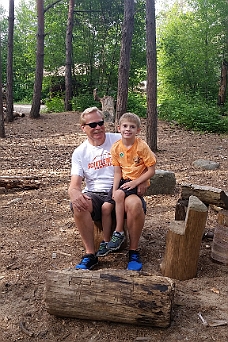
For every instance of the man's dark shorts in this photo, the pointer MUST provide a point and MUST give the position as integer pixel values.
(98, 198)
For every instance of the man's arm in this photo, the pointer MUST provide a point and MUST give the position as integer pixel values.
(78, 199)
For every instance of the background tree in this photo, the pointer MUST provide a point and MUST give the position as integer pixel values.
(69, 64)
(151, 75)
(9, 87)
(2, 127)
(124, 63)
(35, 110)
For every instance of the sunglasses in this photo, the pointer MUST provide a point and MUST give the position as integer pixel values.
(94, 124)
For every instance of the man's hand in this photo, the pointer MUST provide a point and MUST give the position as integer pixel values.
(80, 201)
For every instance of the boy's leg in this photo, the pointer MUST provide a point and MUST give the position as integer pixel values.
(119, 208)
(107, 220)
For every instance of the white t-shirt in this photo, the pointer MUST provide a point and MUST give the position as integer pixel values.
(93, 163)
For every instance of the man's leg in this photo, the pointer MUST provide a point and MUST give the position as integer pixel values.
(135, 219)
(85, 226)
(135, 222)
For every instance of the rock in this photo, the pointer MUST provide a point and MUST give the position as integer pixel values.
(163, 182)
(206, 164)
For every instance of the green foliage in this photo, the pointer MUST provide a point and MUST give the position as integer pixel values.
(192, 113)
(83, 101)
(56, 104)
(137, 104)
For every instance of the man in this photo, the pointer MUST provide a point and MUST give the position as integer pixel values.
(91, 162)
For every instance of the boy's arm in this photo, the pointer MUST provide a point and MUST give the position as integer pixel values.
(117, 177)
(143, 178)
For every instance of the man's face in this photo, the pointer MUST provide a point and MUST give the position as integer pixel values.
(96, 135)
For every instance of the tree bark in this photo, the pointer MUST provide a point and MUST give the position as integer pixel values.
(68, 68)
(9, 88)
(2, 125)
(151, 75)
(223, 84)
(183, 242)
(125, 52)
(35, 110)
(137, 298)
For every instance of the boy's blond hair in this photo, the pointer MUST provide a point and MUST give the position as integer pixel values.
(88, 111)
(130, 117)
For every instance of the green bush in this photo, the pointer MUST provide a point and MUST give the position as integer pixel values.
(194, 114)
(55, 104)
(137, 104)
(83, 101)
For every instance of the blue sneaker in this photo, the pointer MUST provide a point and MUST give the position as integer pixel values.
(116, 241)
(88, 262)
(134, 263)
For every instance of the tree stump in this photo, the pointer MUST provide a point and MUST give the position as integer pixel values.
(219, 250)
(183, 242)
(137, 298)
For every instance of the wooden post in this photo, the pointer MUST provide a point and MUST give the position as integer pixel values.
(137, 298)
(183, 242)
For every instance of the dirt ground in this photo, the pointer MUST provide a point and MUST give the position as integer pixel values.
(34, 224)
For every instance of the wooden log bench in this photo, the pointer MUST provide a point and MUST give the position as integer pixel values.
(137, 298)
(183, 242)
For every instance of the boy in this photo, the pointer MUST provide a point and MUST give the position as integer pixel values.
(134, 163)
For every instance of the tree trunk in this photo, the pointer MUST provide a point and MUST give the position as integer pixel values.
(68, 69)
(125, 52)
(223, 84)
(9, 89)
(35, 110)
(2, 126)
(137, 298)
(151, 75)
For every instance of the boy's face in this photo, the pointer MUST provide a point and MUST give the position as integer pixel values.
(128, 129)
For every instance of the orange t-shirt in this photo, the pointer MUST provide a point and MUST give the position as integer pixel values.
(132, 161)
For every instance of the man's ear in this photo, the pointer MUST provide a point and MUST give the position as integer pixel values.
(118, 128)
(138, 130)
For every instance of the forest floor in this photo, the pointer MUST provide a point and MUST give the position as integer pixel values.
(36, 223)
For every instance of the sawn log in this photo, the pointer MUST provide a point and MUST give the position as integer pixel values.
(110, 295)
(207, 194)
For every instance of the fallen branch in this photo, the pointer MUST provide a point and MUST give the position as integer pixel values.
(26, 331)
(21, 182)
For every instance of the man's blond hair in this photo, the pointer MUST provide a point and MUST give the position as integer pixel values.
(88, 111)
